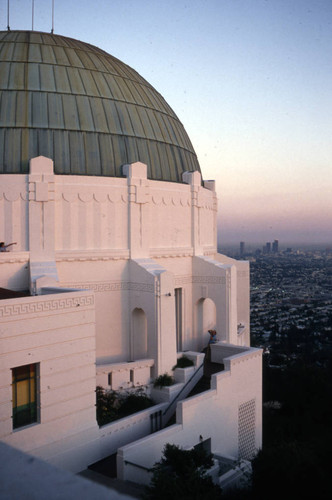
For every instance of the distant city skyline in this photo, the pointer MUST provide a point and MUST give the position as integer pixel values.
(251, 82)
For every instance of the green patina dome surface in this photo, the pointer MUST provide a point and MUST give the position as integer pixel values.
(85, 109)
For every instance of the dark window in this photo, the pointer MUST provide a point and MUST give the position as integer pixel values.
(178, 318)
(24, 386)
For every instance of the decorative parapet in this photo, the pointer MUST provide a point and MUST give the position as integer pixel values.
(13, 192)
(100, 194)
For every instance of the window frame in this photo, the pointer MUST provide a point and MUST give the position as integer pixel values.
(25, 379)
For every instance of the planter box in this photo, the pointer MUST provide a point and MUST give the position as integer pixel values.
(182, 375)
(196, 357)
(165, 394)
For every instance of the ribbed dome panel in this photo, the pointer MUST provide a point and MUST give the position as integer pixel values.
(85, 109)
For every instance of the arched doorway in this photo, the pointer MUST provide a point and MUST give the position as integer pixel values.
(139, 340)
(206, 319)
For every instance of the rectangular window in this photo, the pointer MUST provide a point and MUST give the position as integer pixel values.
(24, 385)
(178, 318)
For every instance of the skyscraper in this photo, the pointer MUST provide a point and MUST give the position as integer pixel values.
(267, 247)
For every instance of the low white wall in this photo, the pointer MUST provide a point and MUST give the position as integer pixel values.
(222, 350)
(212, 414)
(127, 430)
(125, 375)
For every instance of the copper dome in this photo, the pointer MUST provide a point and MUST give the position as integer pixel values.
(85, 109)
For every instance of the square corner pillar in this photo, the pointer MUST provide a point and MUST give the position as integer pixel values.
(194, 179)
(138, 201)
(165, 323)
(42, 218)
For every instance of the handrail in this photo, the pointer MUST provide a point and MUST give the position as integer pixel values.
(183, 388)
(137, 465)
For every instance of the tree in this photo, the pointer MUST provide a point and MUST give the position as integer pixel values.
(181, 475)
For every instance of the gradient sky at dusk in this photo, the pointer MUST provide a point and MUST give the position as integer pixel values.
(251, 81)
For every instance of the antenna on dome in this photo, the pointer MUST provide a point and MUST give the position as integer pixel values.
(33, 13)
(8, 27)
(52, 30)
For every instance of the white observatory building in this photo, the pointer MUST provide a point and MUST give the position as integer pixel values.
(115, 271)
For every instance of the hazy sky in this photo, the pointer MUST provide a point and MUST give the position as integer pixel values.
(251, 81)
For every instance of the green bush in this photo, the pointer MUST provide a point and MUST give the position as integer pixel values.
(112, 405)
(135, 402)
(181, 475)
(164, 380)
(183, 362)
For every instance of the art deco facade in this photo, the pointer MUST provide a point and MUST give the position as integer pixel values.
(116, 263)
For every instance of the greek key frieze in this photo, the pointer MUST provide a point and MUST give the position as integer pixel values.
(109, 286)
(213, 280)
(142, 287)
(183, 280)
(45, 306)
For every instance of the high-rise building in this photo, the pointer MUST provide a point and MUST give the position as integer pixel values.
(275, 246)
(242, 248)
(267, 247)
(115, 271)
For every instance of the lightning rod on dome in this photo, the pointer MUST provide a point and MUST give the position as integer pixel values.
(52, 30)
(8, 27)
(33, 13)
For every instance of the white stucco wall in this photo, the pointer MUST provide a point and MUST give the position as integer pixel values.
(14, 196)
(58, 333)
(130, 242)
(96, 224)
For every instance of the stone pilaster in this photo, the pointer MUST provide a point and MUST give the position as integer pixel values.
(194, 180)
(41, 222)
(138, 197)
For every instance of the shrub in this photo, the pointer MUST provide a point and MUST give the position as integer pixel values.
(164, 380)
(112, 405)
(134, 402)
(183, 362)
(106, 402)
(181, 475)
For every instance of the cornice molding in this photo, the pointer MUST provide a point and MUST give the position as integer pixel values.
(159, 253)
(91, 255)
